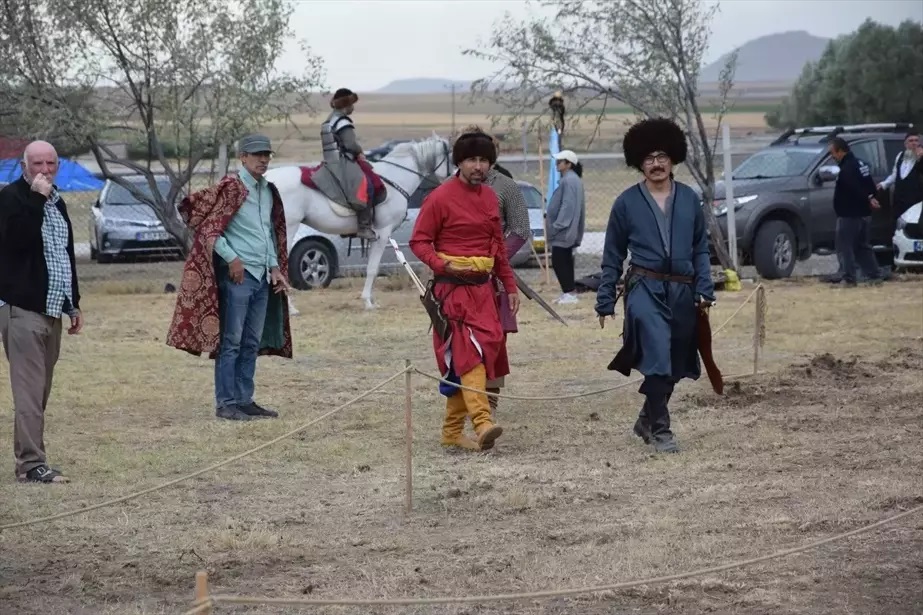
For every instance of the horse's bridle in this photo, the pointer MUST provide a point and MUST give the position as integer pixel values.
(425, 178)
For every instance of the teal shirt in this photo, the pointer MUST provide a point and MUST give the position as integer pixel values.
(250, 235)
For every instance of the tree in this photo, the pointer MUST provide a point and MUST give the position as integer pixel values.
(180, 76)
(874, 74)
(645, 54)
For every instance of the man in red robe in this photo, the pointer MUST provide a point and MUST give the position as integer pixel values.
(458, 235)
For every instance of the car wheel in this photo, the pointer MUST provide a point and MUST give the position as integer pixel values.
(312, 264)
(104, 259)
(93, 253)
(774, 250)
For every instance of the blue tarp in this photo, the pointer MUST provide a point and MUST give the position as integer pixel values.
(71, 177)
(554, 176)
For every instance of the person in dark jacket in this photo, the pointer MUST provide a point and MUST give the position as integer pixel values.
(38, 284)
(853, 201)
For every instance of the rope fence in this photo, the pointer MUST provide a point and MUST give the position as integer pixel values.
(214, 466)
(409, 368)
(205, 601)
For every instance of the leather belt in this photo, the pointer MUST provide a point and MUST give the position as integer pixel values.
(478, 279)
(663, 277)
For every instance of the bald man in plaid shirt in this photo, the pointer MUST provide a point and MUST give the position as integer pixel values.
(38, 285)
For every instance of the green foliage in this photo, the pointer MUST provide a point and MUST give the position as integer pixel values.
(874, 74)
(178, 76)
(642, 54)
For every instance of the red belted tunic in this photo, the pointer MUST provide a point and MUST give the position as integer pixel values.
(458, 219)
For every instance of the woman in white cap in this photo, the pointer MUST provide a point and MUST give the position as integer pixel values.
(566, 221)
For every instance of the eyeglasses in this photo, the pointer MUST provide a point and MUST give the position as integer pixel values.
(660, 158)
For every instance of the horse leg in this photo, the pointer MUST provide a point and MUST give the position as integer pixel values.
(376, 251)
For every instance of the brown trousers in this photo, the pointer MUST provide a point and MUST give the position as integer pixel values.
(32, 343)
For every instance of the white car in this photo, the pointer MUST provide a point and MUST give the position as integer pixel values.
(908, 239)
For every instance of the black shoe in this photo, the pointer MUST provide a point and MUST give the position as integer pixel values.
(254, 409)
(232, 413)
(665, 443)
(42, 474)
(642, 430)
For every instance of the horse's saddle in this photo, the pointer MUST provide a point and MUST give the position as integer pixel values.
(344, 201)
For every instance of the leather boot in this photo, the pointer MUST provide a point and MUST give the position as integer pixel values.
(642, 428)
(454, 424)
(658, 390)
(478, 407)
(364, 217)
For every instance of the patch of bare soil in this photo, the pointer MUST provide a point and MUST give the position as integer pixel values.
(568, 498)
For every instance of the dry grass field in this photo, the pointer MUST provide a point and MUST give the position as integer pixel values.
(827, 440)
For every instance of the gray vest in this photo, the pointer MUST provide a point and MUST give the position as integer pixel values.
(333, 150)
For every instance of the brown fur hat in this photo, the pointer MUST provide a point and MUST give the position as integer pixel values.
(472, 145)
(654, 135)
(344, 97)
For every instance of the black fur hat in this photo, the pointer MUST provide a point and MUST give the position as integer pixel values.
(474, 144)
(343, 97)
(654, 135)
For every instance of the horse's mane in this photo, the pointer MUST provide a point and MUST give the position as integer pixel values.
(420, 150)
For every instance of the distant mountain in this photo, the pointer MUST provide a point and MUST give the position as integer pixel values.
(776, 57)
(773, 58)
(423, 86)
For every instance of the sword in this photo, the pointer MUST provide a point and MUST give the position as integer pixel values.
(403, 261)
(534, 296)
(433, 307)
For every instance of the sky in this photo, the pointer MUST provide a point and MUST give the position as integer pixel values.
(366, 44)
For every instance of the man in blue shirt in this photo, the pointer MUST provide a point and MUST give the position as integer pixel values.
(246, 265)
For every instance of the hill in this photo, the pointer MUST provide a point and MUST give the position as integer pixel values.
(775, 57)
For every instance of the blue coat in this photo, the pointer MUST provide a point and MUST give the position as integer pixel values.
(660, 316)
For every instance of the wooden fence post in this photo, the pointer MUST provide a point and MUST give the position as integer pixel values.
(759, 326)
(408, 437)
(201, 590)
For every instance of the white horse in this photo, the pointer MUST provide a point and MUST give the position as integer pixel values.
(403, 170)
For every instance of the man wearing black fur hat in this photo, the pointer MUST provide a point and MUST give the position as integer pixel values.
(659, 220)
(345, 177)
(458, 235)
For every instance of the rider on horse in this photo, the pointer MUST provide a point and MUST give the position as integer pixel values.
(354, 183)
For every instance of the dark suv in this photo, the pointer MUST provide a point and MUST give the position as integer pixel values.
(783, 195)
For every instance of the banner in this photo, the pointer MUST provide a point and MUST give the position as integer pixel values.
(554, 176)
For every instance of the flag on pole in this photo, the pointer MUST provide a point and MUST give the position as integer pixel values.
(554, 146)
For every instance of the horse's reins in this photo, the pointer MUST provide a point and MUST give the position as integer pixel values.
(425, 178)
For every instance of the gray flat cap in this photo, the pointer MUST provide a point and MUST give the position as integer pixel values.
(252, 144)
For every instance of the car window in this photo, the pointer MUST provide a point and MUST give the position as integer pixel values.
(533, 197)
(117, 195)
(893, 147)
(868, 152)
(777, 162)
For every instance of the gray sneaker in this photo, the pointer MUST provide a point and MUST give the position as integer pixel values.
(665, 443)
(232, 413)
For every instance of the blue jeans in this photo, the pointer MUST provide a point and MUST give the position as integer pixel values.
(242, 312)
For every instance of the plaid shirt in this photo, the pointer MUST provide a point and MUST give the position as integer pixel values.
(60, 281)
(514, 213)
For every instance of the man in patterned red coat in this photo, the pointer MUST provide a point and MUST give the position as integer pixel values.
(231, 304)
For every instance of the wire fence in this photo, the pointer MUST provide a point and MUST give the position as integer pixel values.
(120, 241)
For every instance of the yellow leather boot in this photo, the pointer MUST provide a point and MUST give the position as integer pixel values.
(479, 407)
(454, 424)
